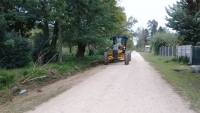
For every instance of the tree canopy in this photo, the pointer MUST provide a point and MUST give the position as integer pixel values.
(152, 27)
(184, 17)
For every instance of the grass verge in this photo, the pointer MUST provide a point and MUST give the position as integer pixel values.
(186, 83)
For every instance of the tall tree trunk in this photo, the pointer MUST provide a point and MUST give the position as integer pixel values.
(81, 50)
(54, 41)
(60, 43)
(46, 30)
(55, 36)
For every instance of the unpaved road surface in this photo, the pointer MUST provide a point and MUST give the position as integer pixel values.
(119, 88)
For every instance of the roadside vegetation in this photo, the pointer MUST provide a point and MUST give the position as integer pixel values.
(33, 76)
(179, 75)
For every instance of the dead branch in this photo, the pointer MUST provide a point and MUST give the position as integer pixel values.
(27, 80)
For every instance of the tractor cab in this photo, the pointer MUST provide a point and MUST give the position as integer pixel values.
(118, 50)
(119, 42)
(119, 39)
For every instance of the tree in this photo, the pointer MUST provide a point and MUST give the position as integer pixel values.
(160, 29)
(60, 15)
(50, 13)
(3, 35)
(92, 22)
(130, 44)
(184, 18)
(142, 35)
(16, 16)
(163, 39)
(79, 22)
(152, 27)
(129, 27)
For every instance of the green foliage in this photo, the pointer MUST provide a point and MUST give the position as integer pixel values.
(184, 18)
(16, 16)
(183, 60)
(70, 64)
(82, 23)
(16, 51)
(163, 39)
(152, 26)
(2, 34)
(41, 47)
(9, 42)
(143, 36)
(6, 79)
(130, 44)
(2, 28)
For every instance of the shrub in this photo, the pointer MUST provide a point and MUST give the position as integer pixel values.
(41, 47)
(183, 59)
(2, 34)
(6, 79)
(16, 51)
(163, 39)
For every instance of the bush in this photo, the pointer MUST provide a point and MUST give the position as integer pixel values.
(183, 59)
(2, 34)
(163, 39)
(41, 47)
(6, 79)
(16, 51)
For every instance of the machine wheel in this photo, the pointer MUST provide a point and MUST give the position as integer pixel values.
(129, 55)
(126, 58)
(105, 58)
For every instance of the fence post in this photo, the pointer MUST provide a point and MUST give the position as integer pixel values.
(160, 51)
(168, 51)
(163, 50)
(177, 55)
(191, 54)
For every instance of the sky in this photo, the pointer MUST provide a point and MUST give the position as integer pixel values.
(144, 10)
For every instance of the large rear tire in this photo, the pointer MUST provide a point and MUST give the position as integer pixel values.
(126, 58)
(105, 58)
(129, 55)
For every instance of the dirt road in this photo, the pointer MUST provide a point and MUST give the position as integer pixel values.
(119, 88)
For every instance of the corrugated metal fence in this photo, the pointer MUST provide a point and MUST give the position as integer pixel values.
(167, 50)
(192, 52)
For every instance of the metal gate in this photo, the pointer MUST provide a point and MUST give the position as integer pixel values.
(196, 55)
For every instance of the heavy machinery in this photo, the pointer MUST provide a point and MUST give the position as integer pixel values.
(117, 51)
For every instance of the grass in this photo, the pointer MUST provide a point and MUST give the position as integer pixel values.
(186, 83)
(33, 76)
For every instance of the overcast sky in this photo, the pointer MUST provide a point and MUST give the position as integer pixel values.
(144, 10)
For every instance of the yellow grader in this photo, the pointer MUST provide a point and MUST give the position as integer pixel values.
(117, 51)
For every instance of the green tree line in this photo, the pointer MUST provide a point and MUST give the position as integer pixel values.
(80, 23)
